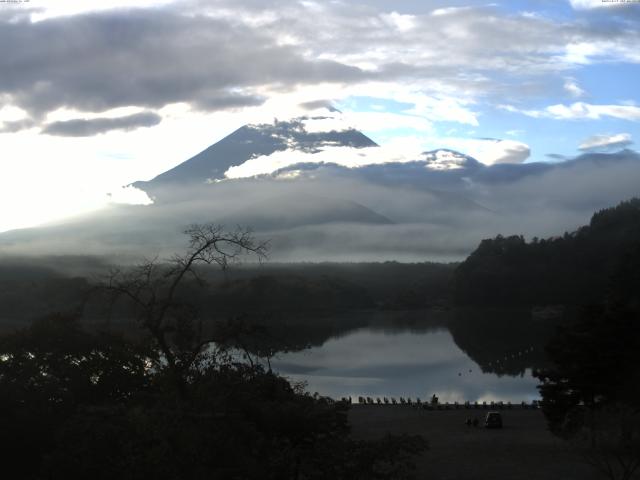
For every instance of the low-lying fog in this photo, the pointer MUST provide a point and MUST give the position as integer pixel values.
(380, 212)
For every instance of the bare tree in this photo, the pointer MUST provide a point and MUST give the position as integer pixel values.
(152, 286)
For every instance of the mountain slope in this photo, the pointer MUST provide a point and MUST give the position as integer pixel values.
(252, 141)
(301, 209)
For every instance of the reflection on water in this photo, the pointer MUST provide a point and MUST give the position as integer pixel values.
(398, 362)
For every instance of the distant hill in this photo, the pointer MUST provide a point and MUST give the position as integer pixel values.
(575, 268)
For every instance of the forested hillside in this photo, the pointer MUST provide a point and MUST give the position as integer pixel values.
(573, 269)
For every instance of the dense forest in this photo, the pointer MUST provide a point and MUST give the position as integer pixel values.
(591, 387)
(33, 287)
(573, 269)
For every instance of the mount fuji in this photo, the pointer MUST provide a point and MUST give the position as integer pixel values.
(323, 191)
(250, 142)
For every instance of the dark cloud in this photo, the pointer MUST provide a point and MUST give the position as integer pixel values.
(96, 62)
(515, 153)
(476, 49)
(226, 101)
(556, 156)
(16, 125)
(87, 128)
(317, 104)
(150, 58)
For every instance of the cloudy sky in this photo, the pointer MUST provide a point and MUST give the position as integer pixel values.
(95, 95)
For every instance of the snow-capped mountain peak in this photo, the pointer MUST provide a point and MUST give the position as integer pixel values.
(445, 159)
(254, 141)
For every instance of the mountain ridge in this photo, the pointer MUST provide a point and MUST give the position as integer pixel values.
(248, 142)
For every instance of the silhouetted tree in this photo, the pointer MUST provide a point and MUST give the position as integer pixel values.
(153, 289)
(50, 371)
(84, 404)
(609, 440)
(591, 394)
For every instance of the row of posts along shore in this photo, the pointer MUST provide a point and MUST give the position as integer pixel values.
(435, 404)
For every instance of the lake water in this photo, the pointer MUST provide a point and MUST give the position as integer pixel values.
(406, 362)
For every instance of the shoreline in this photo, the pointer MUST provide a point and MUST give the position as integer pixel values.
(420, 405)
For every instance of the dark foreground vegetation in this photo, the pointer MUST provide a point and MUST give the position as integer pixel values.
(154, 371)
(33, 287)
(591, 385)
(81, 405)
(573, 269)
(174, 402)
(591, 392)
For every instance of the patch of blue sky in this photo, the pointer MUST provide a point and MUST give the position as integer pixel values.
(609, 83)
(544, 136)
(549, 135)
(547, 8)
(603, 84)
(372, 104)
(561, 9)
(388, 135)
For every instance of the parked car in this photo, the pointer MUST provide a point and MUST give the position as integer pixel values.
(493, 420)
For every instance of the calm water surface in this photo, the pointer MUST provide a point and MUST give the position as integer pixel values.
(396, 362)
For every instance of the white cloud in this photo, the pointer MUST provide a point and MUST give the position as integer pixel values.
(37, 193)
(345, 156)
(403, 23)
(580, 110)
(432, 102)
(443, 64)
(326, 123)
(46, 178)
(438, 12)
(376, 121)
(581, 53)
(599, 142)
(129, 195)
(441, 109)
(573, 88)
(502, 151)
(590, 4)
(490, 151)
(381, 121)
(66, 114)
(10, 113)
(585, 110)
(591, 50)
(43, 9)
